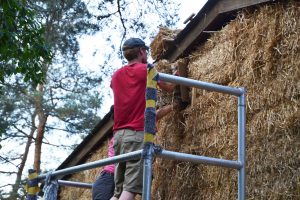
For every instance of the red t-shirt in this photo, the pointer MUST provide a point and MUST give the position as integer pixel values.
(129, 85)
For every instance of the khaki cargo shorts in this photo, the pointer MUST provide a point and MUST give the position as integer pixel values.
(128, 175)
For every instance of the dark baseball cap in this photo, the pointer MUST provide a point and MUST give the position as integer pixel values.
(134, 42)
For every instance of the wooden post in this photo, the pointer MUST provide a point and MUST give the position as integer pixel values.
(183, 72)
(194, 96)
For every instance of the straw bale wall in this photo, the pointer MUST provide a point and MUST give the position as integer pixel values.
(259, 50)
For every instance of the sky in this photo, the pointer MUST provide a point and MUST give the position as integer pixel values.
(89, 59)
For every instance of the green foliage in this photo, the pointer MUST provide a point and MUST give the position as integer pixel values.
(23, 49)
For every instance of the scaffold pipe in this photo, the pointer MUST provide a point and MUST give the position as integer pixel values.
(75, 184)
(200, 84)
(199, 159)
(99, 163)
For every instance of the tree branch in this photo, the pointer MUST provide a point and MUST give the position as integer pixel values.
(10, 173)
(100, 17)
(123, 24)
(7, 161)
(2, 186)
(60, 129)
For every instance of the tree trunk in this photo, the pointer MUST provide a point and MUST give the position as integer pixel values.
(38, 143)
(14, 192)
(40, 130)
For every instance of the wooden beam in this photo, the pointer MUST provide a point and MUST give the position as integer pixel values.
(181, 46)
(194, 96)
(183, 72)
(232, 5)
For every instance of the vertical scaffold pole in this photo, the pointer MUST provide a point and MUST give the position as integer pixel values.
(149, 129)
(242, 145)
(147, 173)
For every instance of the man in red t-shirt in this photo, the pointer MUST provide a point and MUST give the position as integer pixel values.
(129, 84)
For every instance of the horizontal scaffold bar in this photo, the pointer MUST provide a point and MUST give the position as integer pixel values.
(199, 159)
(74, 184)
(201, 84)
(91, 165)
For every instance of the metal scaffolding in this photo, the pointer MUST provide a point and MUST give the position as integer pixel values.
(150, 151)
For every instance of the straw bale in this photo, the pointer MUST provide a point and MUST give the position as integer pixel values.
(165, 98)
(164, 66)
(162, 41)
(87, 176)
(259, 50)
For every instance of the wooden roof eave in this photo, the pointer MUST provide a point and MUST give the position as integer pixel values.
(212, 17)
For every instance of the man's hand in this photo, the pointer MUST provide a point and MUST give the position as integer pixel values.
(168, 87)
(179, 104)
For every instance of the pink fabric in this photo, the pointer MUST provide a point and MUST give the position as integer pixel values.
(111, 153)
(129, 84)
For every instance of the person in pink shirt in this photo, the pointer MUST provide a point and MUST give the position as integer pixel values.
(103, 188)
